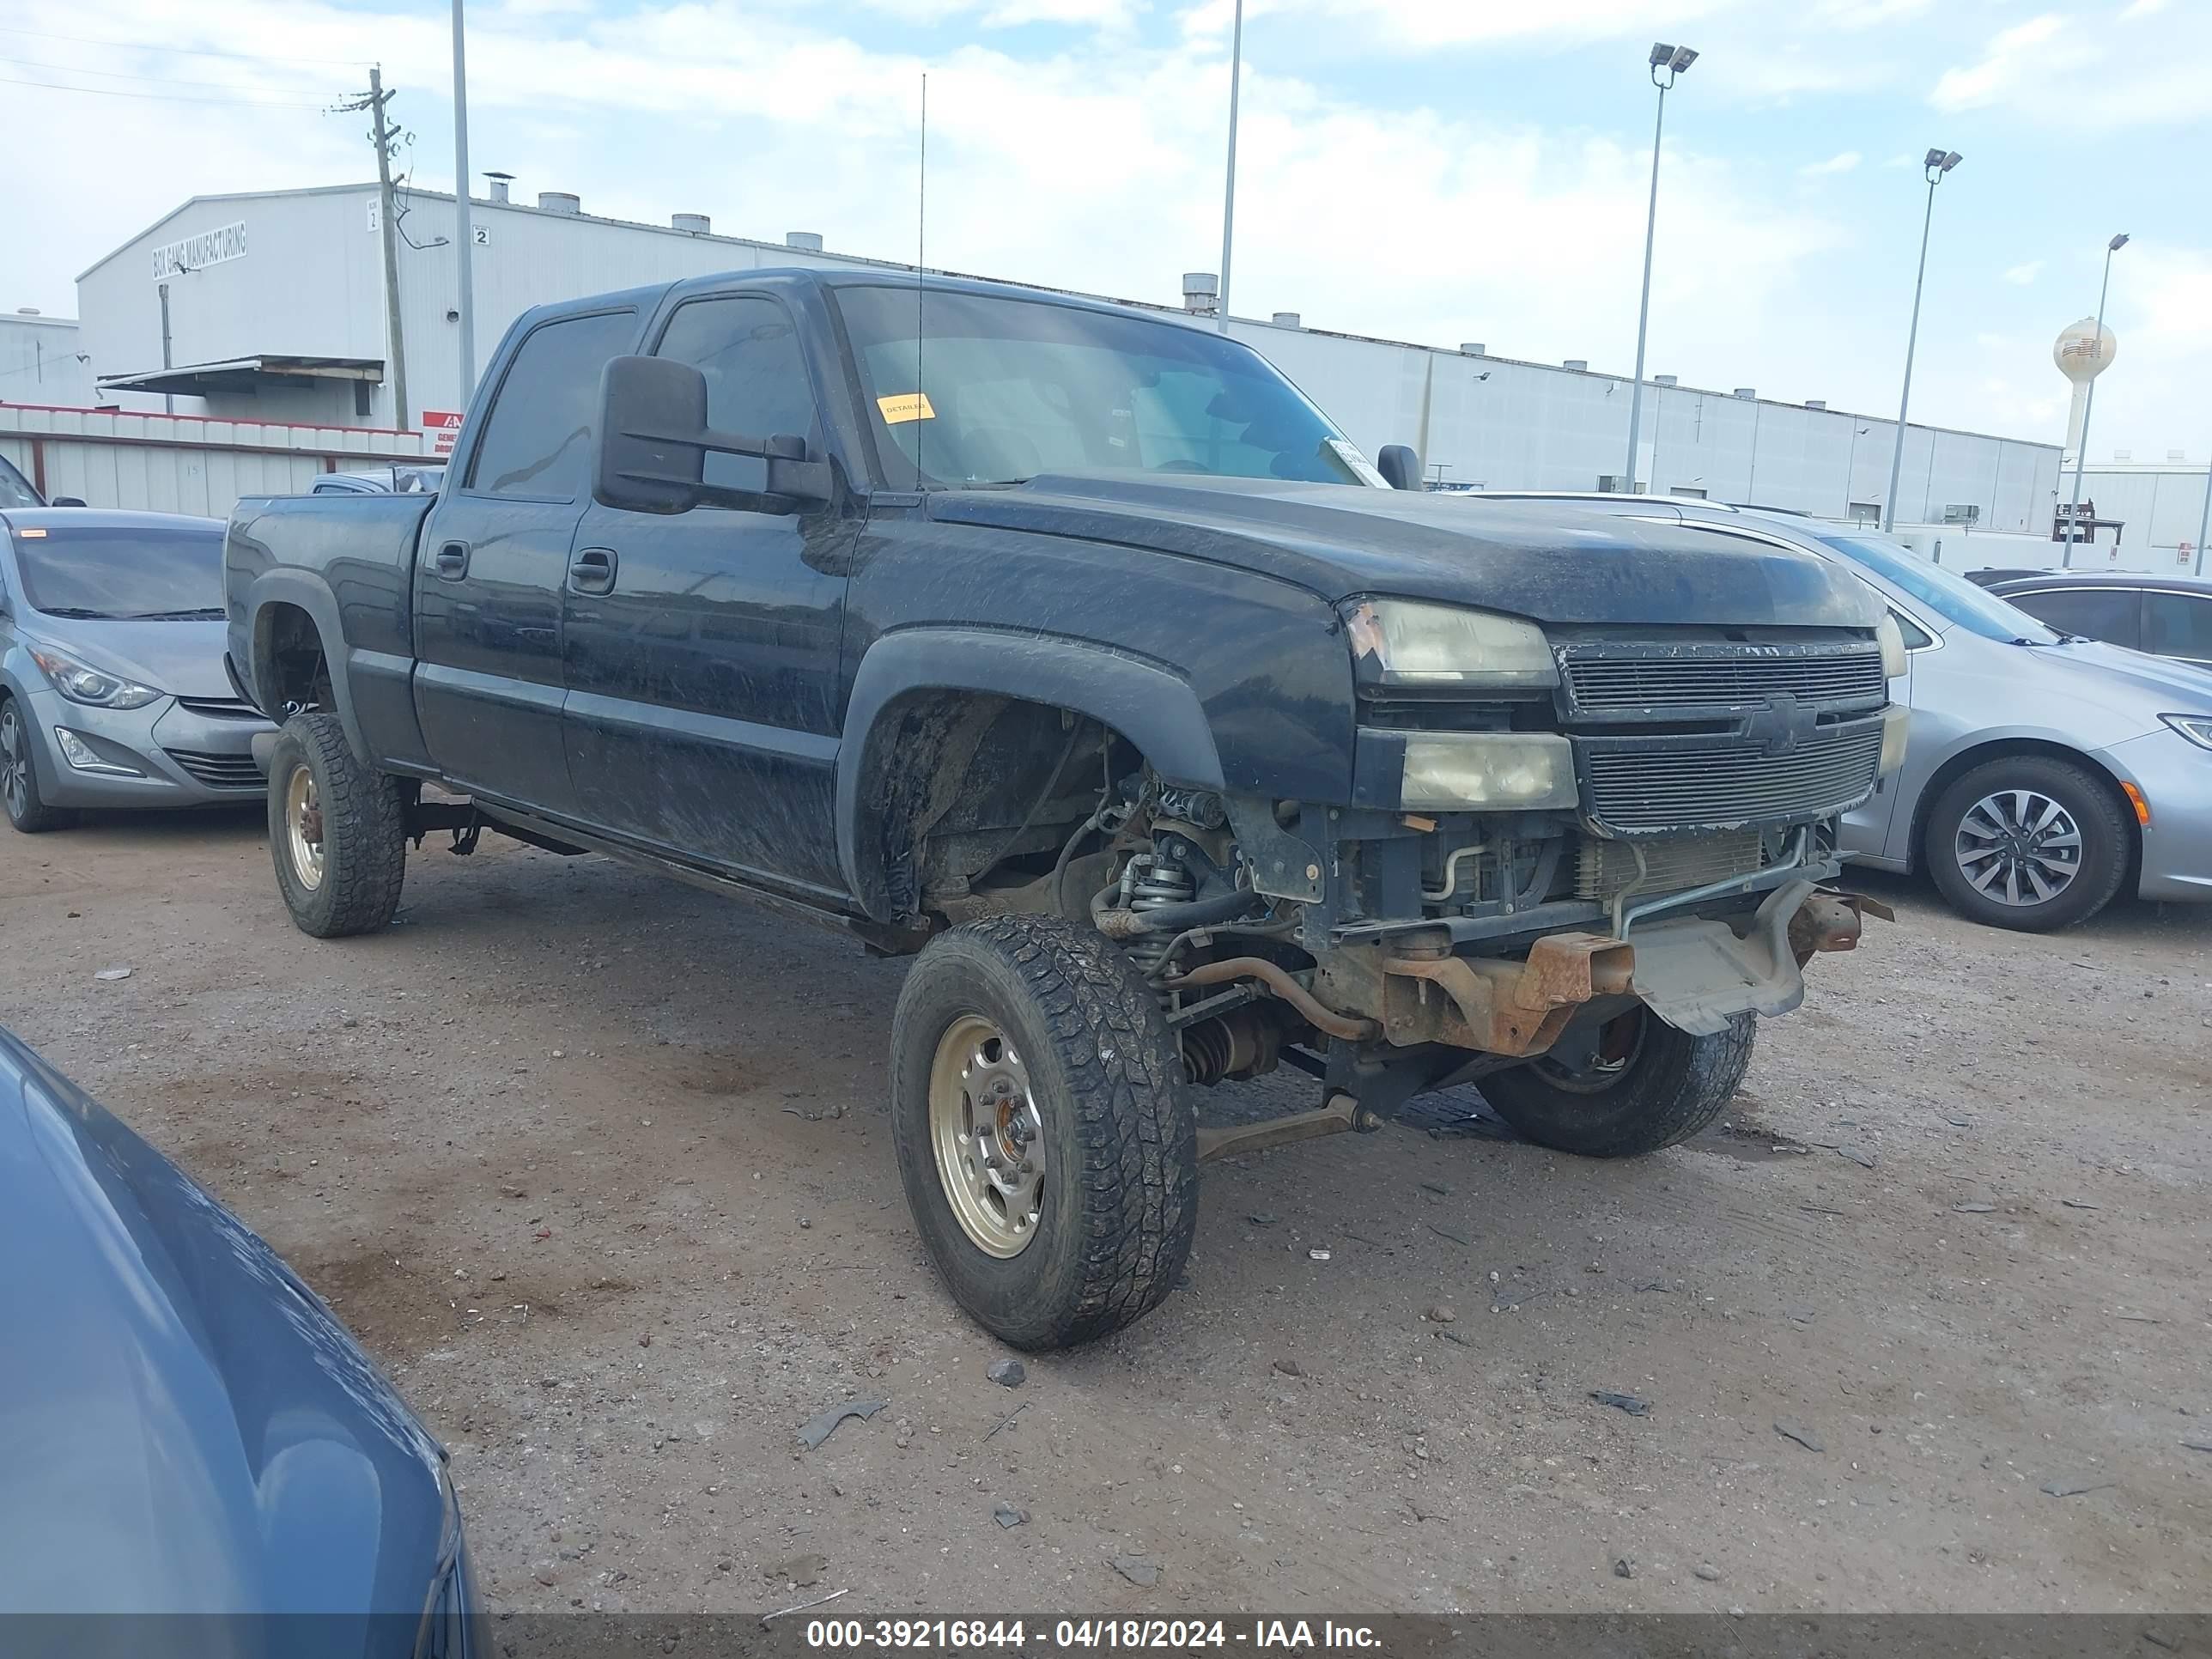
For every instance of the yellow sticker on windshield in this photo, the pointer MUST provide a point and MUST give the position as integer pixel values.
(906, 406)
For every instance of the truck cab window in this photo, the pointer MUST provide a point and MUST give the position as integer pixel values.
(538, 436)
(745, 346)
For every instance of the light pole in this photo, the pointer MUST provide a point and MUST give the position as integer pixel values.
(2203, 523)
(2089, 408)
(1936, 164)
(1669, 61)
(1228, 191)
(464, 260)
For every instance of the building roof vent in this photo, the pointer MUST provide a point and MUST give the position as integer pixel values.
(499, 184)
(1201, 293)
(806, 241)
(559, 201)
(32, 311)
(1287, 319)
(1664, 380)
(698, 224)
(1580, 365)
(1816, 403)
(1475, 348)
(2177, 455)
(1746, 392)
(2124, 454)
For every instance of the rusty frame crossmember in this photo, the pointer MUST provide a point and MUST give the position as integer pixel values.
(1502, 1007)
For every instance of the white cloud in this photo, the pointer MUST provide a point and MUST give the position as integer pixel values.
(1845, 162)
(2013, 57)
(1427, 25)
(2142, 8)
(2020, 276)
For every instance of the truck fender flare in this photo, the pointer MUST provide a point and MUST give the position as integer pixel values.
(1152, 706)
(304, 591)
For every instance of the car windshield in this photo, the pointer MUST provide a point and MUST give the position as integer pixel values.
(996, 391)
(106, 571)
(14, 489)
(1950, 596)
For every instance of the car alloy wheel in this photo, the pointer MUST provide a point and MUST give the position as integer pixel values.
(15, 763)
(2018, 847)
(988, 1136)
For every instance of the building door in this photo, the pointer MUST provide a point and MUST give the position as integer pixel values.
(701, 648)
(490, 572)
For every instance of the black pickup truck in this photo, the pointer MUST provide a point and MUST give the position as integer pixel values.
(1075, 650)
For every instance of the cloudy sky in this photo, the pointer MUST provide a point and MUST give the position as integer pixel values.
(1430, 170)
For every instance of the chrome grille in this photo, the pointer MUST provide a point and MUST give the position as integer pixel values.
(1612, 685)
(1602, 868)
(220, 771)
(1649, 785)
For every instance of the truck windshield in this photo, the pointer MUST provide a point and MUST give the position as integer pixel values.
(970, 389)
(1950, 596)
(103, 571)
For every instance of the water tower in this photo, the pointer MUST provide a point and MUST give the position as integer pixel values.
(2083, 352)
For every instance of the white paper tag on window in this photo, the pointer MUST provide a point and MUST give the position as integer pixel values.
(1348, 453)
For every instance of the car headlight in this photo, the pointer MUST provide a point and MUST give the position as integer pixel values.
(1892, 646)
(80, 682)
(1403, 643)
(2197, 728)
(1494, 771)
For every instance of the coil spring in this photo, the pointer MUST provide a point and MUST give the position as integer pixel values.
(1153, 881)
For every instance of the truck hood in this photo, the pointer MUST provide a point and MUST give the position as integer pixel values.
(184, 1427)
(1547, 562)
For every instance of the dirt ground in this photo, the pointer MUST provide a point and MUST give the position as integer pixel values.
(599, 1169)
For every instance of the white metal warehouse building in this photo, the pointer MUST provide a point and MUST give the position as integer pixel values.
(275, 312)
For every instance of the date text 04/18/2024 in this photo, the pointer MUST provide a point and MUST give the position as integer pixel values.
(1087, 1634)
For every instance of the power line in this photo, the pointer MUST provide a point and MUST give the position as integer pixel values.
(118, 74)
(188, 51)
(158, 97)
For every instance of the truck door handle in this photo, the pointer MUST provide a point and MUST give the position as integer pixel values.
(592, 570)
(451, 560)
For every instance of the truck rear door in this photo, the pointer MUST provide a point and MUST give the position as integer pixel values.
(488, 575)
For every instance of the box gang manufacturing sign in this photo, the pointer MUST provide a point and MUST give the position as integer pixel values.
(209, 247)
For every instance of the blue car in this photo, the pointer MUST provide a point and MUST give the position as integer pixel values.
(185, 1428)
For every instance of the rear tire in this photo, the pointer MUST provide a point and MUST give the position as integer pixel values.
(1667, 1086)
(1976, 825)
(338, 830)
(1045, 1134)
(19, 777)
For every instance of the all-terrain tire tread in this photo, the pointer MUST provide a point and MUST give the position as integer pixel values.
(364, 832)
(1130, 1107)
(1684, 1089)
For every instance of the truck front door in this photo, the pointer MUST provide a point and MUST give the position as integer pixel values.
(493, 559)
(701, 649)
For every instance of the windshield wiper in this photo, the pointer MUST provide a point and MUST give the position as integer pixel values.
(77, 613)
(208, 614)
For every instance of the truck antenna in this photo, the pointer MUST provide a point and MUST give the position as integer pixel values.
(921, 247)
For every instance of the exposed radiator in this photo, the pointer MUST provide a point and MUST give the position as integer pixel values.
(1675, 863)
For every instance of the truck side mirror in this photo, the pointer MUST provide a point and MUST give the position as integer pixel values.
(654, 439)
(1399, 465)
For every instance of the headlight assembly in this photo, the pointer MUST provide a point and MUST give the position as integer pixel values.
(1892, 646)
(80, 682)
(2197, 728)
(1489, 771)
(1402, 643)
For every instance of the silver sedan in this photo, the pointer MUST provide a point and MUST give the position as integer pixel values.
(2044, 774)
(112, 691)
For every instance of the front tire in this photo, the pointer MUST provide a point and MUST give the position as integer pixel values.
(2027, 842)
(338, 831)
(1045, 1134)
(26, 807)
(1650, 1086)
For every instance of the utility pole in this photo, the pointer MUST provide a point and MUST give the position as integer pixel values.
(463, 239)
(381, 133)
(1228, 191)
(2082, 449)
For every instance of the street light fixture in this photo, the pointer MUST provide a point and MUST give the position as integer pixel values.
(1668, 61)
(2088, 409)
(1937, 162)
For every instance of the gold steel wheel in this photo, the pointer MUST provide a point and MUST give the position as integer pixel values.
(303, 827)
(988, 1136)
